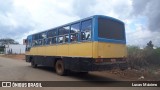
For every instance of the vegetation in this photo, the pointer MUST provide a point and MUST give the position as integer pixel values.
(7, 41)
(4, 42)
(143, 58)
(1, 49)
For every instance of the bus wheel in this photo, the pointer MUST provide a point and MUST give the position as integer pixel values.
(33, 64)
(60, 70)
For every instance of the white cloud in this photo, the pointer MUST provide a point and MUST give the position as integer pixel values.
(48, 13)
(141, 36)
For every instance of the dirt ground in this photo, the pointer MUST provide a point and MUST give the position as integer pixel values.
(126, 75)
(15, 56)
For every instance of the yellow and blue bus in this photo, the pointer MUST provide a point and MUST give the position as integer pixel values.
(95, 43)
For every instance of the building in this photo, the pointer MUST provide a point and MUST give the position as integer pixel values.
(14, 49)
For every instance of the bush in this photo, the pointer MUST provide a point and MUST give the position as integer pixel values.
(141, 58)
(153, 57)
(1, 49)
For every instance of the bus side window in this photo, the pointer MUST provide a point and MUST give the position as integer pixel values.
(60, 40)
(54, 40)
(40, 42)
(51, 35)
(88, 35)
(44, 41)
(86, 30)
(49, 41)
(75, 29)
(63, 33)
(66, 38)
(74, 37)
(34, 43)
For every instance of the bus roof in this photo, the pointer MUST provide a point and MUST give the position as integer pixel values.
(94, 16)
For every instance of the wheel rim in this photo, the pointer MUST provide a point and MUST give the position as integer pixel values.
(59, 68)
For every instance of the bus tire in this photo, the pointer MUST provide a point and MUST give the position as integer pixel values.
(33, 64)
(60, 70)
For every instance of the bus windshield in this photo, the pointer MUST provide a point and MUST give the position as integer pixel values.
(110, 29)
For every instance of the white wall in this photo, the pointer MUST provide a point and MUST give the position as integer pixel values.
(16, 49)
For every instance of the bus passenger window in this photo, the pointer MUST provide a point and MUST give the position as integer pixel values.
(87, 25)
(86, 30)
(88, 35)
(35, 43)
(63, 30)
(44, 41)
(74, 37)
(36, 37)
(66, 38)
(42, 35)
(52, 33)
(49, 41)
(54, 40)
(60, 40)
(75, 30)
(39, 42)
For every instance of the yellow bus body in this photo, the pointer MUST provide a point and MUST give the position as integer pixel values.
(82, 49)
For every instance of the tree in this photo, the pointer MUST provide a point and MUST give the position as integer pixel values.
(149, 45)
(2, 49)
(7, 41)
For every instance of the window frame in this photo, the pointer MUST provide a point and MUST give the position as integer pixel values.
(52, 31)
(91, 30)
(64, 35)
(78, 33)
(49, 43)
(52, 41)
(40, 35)
(35, 39)
(55, 30)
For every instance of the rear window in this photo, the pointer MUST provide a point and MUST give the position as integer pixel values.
(110, 29)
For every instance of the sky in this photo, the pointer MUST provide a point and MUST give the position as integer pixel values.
(19, 18)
